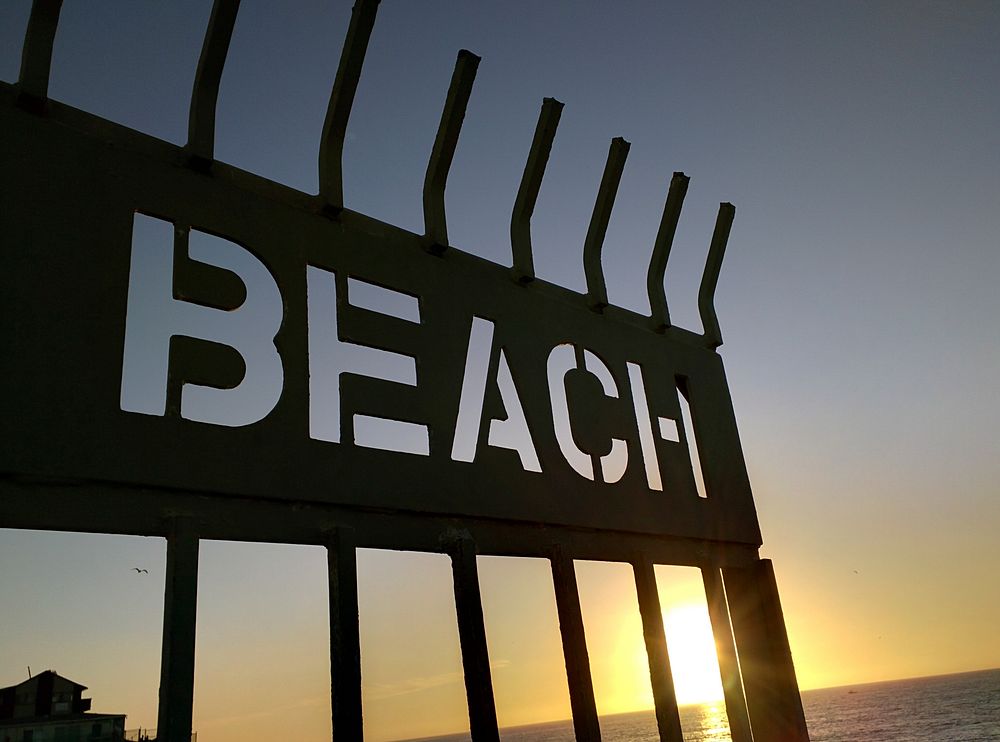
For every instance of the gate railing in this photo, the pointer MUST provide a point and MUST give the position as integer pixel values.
(42, 489)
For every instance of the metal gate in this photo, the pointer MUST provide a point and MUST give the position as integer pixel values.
(543, 422)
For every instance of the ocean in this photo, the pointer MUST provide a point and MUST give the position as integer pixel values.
(946, 708)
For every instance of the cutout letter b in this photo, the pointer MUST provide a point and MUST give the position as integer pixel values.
(156, 313)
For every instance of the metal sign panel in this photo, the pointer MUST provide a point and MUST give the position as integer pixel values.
(194, 352)
(463, 388)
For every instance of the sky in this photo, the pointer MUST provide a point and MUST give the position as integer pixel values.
(860, 143)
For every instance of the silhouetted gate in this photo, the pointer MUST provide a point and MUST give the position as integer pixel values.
(504, 415)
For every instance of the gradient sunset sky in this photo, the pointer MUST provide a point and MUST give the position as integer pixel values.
(860, 143)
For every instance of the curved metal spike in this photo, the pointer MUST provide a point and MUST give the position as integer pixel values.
(36, 55)
(527, 192)
(659, 314)
(713, 264)
(597, 290)
(201, 120)
(459, 91)
(345, 85)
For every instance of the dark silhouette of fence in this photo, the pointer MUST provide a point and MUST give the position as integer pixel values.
(73, 184)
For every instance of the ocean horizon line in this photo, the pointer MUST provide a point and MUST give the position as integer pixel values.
(462, 734)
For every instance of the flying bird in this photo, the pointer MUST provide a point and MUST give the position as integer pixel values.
(141, 571)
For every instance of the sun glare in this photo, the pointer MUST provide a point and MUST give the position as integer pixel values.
(693, 660)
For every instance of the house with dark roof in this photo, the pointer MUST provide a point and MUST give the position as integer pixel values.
(50, 708)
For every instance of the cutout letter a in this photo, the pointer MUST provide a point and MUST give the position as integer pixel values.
(512, 433)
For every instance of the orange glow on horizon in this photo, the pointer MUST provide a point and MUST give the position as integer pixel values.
(693, 660)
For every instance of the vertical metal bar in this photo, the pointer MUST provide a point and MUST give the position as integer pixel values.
(472, 637)
(732, 685)
(205, 96)
(527, 192)
(445, 143)
(345, 85)
(659, 313)
(781, 651)
(581, 685)
(709, 279)
(772, 693)
(180, 604)
(597, 290)
(668, 720)
(36, 54)
(345, 639)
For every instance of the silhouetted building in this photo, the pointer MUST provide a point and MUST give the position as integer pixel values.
(50, 708)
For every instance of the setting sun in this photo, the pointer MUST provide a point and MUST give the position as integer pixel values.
(693, 660)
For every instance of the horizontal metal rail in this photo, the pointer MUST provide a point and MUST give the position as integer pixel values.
(106, 508)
